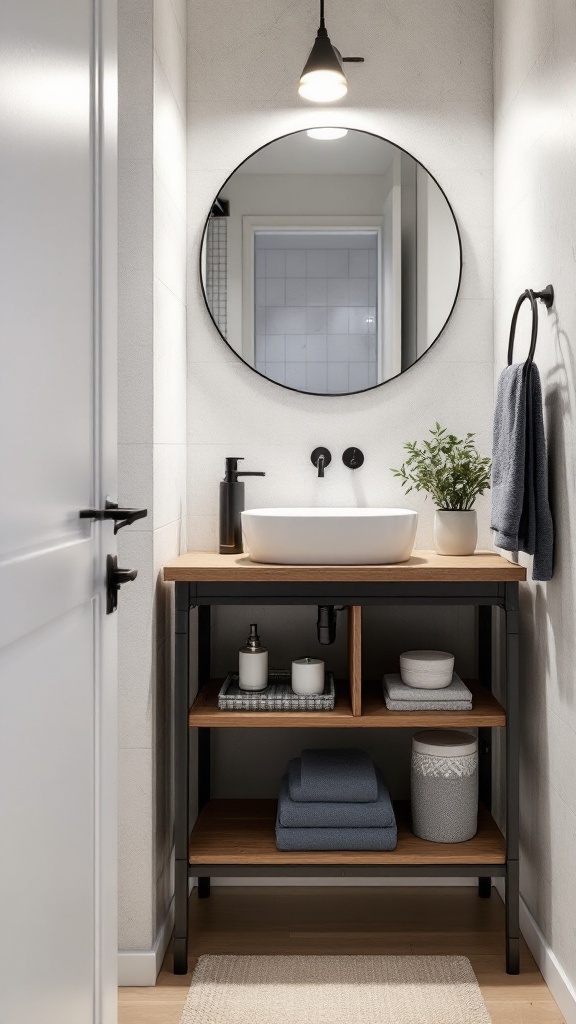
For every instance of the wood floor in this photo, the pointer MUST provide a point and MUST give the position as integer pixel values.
(353, 920)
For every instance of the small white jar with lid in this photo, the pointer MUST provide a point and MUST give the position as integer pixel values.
(427, 670)
(307, 676)
(253, 663)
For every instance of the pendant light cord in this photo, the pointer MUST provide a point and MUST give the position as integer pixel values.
(322, 25)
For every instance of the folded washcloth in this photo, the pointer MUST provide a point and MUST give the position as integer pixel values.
(428, 705)
(372, 814)
(336, 776)
(396, 690)
(521, 516)
(335, 838)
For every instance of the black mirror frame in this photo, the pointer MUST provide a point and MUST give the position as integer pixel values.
(321, 394)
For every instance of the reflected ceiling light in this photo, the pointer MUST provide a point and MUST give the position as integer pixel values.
(327, 133)
(323, 80)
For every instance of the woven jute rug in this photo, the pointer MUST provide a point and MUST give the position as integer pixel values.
(334, 990)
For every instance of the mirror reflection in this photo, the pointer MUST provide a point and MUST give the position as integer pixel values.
(331, 261)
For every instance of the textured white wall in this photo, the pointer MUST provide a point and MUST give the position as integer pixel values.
(427, 85)
(535, 232)
(152, 449)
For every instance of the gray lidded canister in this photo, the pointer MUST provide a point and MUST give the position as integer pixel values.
(444, 785)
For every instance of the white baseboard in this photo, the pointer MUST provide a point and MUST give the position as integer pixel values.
(339, 881)
(141, 967)
(554, 975)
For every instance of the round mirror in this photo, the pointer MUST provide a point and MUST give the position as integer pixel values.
(331, 261)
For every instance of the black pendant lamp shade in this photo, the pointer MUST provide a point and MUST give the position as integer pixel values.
(323, 79)
(323, 56)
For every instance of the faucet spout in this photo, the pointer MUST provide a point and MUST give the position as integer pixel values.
(321, 458)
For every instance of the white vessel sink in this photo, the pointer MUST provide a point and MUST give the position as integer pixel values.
(329, 536)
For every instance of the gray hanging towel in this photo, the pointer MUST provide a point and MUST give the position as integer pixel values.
(521, 516)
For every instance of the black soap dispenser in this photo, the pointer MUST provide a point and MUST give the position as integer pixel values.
(231, 505)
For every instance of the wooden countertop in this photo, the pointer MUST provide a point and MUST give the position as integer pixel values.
(423, 566)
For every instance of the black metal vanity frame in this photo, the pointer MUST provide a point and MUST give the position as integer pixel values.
(486, 596)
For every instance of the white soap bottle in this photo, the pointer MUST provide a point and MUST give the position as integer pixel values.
(253, 667)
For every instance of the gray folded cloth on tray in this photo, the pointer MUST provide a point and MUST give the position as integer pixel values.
(328, 814)
(428, 705)
(396, 690)
(335, 776)
(335, 838)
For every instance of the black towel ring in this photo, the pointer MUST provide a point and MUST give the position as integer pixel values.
(547, 297)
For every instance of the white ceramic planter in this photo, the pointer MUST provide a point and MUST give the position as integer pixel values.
(455, 533)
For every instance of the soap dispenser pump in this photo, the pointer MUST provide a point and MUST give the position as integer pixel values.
(231, 505)
(253, 663)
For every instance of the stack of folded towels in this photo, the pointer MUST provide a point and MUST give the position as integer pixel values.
(400, 697)
(334, 800)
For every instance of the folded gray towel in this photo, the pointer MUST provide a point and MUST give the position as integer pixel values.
(396, 690)
(336, 776)
(428, 705)
(373, 814)
(521, 516)
(336, 838)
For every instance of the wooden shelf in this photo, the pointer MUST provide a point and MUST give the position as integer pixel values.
(242, 832)
(422, 567)
(486, 711)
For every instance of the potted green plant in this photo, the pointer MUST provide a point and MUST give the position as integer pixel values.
(454, 474)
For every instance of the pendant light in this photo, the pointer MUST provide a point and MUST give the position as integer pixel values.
(323, 79)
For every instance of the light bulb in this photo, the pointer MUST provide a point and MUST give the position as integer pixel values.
(323, 86)
(327, 133)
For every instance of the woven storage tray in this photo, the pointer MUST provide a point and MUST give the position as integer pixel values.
(278, 695)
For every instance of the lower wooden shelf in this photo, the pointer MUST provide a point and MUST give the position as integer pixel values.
(241, 832)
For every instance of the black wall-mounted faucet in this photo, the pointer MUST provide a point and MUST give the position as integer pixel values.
(321, 458)
(231, 505)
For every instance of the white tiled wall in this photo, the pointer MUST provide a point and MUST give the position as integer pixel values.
(316, 311)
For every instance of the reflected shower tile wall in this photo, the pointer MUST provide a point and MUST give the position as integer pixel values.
(316, 315)
(217, 270)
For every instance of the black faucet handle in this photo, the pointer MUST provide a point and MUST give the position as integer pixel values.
(246, 473)
(353, 458)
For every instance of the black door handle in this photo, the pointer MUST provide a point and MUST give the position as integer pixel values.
(115, 578)
(121, 516)
(124, 575)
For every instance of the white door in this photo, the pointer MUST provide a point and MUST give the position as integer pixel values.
(58, 937)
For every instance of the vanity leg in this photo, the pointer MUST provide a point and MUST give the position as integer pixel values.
(512, 889)
(204, 764)
(203, 792)
(181, 773)
(512, 781)
(485, 735)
